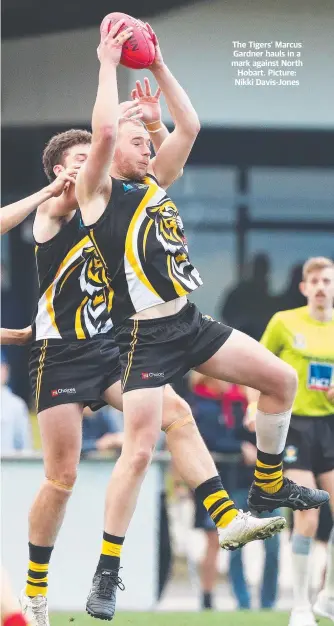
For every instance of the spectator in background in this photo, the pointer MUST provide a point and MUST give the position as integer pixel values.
(291, 298)
(15, 418)
(219, 409)
(249, 306)
(101, 431)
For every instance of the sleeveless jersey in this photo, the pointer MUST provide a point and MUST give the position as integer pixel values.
(141, 243)
(74, 298)
(307, 345)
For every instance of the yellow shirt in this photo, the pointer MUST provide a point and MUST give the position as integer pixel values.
(307, 345)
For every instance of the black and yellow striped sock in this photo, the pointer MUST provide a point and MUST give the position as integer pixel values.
(110, 552)
(37, 578)
(217, 501)
(269, 471)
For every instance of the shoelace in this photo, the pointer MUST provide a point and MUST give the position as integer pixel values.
(39, 610)
(302, 490)
(108, 582)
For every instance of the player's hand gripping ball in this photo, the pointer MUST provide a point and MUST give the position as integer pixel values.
(139, 51)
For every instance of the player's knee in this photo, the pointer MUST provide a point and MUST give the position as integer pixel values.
(141, 459)
(175, 409)
(63, 477)
(285, 383)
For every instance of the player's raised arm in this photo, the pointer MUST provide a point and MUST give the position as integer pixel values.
(94, 175)
(13, 214)
(174, 151)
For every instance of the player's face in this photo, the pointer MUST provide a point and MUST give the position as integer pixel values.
(318, 288)
(133, 151)
(74, 157)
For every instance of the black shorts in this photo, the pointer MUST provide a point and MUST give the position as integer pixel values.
(158, 351)
(310, 444)
(62, 373)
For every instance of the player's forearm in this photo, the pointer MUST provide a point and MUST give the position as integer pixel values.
(13, 214)
(106, 108)
(179, 105)
(11, 336)
(158, 133)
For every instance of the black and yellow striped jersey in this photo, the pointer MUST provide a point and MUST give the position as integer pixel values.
(74, 299)
(140, 240)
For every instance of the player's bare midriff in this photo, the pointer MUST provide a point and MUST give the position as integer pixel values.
(161, 310)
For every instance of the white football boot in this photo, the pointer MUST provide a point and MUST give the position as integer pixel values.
(35, 609)
(245, 528)
(324, 606)
(302, 617)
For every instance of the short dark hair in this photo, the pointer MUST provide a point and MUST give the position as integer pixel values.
(56, 148)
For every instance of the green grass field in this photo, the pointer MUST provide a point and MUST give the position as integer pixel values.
(263, 618)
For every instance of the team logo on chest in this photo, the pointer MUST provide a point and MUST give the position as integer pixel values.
(168, 227)
(93, 283)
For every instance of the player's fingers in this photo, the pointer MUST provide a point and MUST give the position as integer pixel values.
(157, 93)
(137, 115)
(128, 105)
(71, 172)
(105, 26)
(134, 94)
(152, 33)
(71, 178)
(112, 30)
(147, 86)
(139, 88)
(122, 37)
(133, 113)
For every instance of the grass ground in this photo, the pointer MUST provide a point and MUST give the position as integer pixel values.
(239, 618)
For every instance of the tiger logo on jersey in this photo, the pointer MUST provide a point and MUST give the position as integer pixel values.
(168, 227)
(96, 304)
(170, 234)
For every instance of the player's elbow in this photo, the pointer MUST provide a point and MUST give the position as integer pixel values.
(193, 126)
(105, 135)
(108, 133)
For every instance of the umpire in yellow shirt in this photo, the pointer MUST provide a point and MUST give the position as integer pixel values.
(304, 338)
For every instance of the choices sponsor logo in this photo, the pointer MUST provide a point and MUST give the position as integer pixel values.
(58, 392)
(147, 375)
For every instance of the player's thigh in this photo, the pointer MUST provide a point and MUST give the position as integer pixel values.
(113, 395)
(142, 409)
(326, 481)
(305, 522)
(244, 361)
(61, 434)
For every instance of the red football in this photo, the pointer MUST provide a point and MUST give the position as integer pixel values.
(139, 51)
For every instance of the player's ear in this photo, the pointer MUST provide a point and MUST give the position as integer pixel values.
(57, 169)
(302, 288)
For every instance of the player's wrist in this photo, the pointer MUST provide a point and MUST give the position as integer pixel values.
(158, 68)
(47, 192)
(154, 127)
(107, 64)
